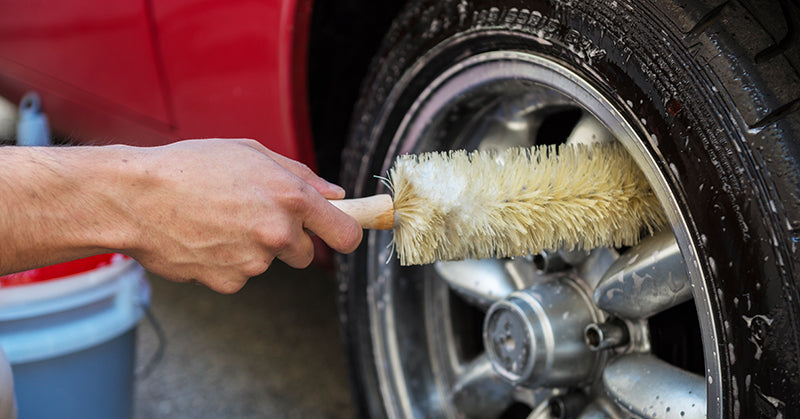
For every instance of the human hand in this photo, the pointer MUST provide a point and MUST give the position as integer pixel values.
(220, 211)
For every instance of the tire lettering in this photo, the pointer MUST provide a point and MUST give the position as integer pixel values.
(494, 14)
(535, 19)
(546, 28)
(572, 37)
(511, 16)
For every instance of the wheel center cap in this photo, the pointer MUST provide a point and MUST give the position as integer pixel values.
(535, 336)
(510, 338)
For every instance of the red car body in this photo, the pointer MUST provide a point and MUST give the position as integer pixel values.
(150, 72)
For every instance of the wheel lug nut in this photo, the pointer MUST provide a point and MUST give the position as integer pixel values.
(549, 261)
(611, 334)
(567, 406)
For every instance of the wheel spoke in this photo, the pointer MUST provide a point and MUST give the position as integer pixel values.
(480, 282)
(589, 130)
(648, 386)
(480, 392)
(646, 280)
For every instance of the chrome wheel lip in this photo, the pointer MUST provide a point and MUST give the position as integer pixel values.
(472, 73)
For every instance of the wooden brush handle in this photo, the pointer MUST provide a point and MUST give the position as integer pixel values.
(374, 212)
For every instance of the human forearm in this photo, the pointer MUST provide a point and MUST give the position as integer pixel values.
(212, 211)
(58, 204)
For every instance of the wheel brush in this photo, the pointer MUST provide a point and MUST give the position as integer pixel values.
(470, 205)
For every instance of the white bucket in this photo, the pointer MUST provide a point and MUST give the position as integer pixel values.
(71, 340)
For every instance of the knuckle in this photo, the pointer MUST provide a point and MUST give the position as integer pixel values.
(296, 199)
(230, 287)
(304, 170)
(255, 267)
(225, 284)
(280, 238)
(248, 142)
(274, 235)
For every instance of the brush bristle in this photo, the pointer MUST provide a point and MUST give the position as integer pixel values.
(458, 205)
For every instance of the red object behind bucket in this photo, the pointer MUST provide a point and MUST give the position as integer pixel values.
(60, 270)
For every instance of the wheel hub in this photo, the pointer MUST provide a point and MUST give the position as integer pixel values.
(534, 337)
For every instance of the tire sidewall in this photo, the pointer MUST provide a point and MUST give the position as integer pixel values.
(640, 61)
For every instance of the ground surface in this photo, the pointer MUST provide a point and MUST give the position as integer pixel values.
(270, 351)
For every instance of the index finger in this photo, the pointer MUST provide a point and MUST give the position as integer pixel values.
(327, 189)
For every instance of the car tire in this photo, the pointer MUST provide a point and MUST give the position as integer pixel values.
(705, 96)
